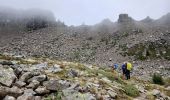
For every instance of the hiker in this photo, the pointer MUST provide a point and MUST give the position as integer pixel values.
(128, 69)
(124, 69)
(115, 66)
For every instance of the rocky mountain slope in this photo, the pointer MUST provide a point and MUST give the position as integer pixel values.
(50, 79)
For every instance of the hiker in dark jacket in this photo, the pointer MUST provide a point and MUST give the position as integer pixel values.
(124, 68)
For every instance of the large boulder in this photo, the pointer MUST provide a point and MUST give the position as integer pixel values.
(42, 90)
(14, 91)
(34, 84)
(19, 84)
(39, 78)
(9, 98)
(25, 97)
(29, 92)
(55, 85)
(26, 76)
(75, 95)
(7, 76)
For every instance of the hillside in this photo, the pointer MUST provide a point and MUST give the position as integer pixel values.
(50, 79)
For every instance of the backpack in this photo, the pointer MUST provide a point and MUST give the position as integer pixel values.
(129, 66)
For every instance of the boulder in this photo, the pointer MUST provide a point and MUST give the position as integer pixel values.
(17, 70)
(6, 63)
(9, 98)
(156, 93)
(26, 76)
(112, 94)
(25, 97)
(55, 85)
(55, 69)
(39, 78)
(73, 73)
(75, 95)
(3, 92)
(14, 91)
(29, 92)
(7, 76)
(34, 84)
(42, 90)
(19, 84)
(37, 98)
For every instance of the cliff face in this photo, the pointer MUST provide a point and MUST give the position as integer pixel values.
(124, 18)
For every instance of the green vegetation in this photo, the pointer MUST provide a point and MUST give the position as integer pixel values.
(131, 90)
(157, 79)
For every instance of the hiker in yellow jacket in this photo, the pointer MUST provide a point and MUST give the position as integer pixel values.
(128, 69)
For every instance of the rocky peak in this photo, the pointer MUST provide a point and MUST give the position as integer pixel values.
(124, 18)
(147, 19)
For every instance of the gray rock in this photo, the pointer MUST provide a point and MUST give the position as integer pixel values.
(14, 91)
(41, 66)
(37, 98)
(17, 69)
(29, 92)
(53, 85)
(26, 76)
(75, 95)
(6, 63)
(9, 98)
(73, 73)
(19, 84)
(156, 93)
(7, 76)
(112, 94)
(55, 69)
(34, 84)
(42, 90)
(25, 97)
(39, 78)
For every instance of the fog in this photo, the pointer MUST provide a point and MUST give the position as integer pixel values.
(76, 12)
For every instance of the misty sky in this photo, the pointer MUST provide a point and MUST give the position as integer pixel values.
(76, 12)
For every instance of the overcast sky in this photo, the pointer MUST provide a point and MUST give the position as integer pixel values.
(76, 12)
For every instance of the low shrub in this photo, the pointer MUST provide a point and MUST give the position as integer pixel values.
(131, 90)
(157, 79)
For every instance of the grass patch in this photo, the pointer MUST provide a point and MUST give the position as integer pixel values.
(131, 90)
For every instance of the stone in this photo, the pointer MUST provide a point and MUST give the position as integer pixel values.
(73, 73)
(112, 94)
(17, 70)
(55, 69)
(156, 93)
(9, 98)
(42, 90)
(34, 84)
(6, 63)
(168, 88)
(26, 76)
(37, 98)
(41, 66)
(39, 78)
(55, 85)
(14, 91)
(7, 76)
(25, 97)
(29, 92)
(19, 84)
(52, 85)
(140, 88)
